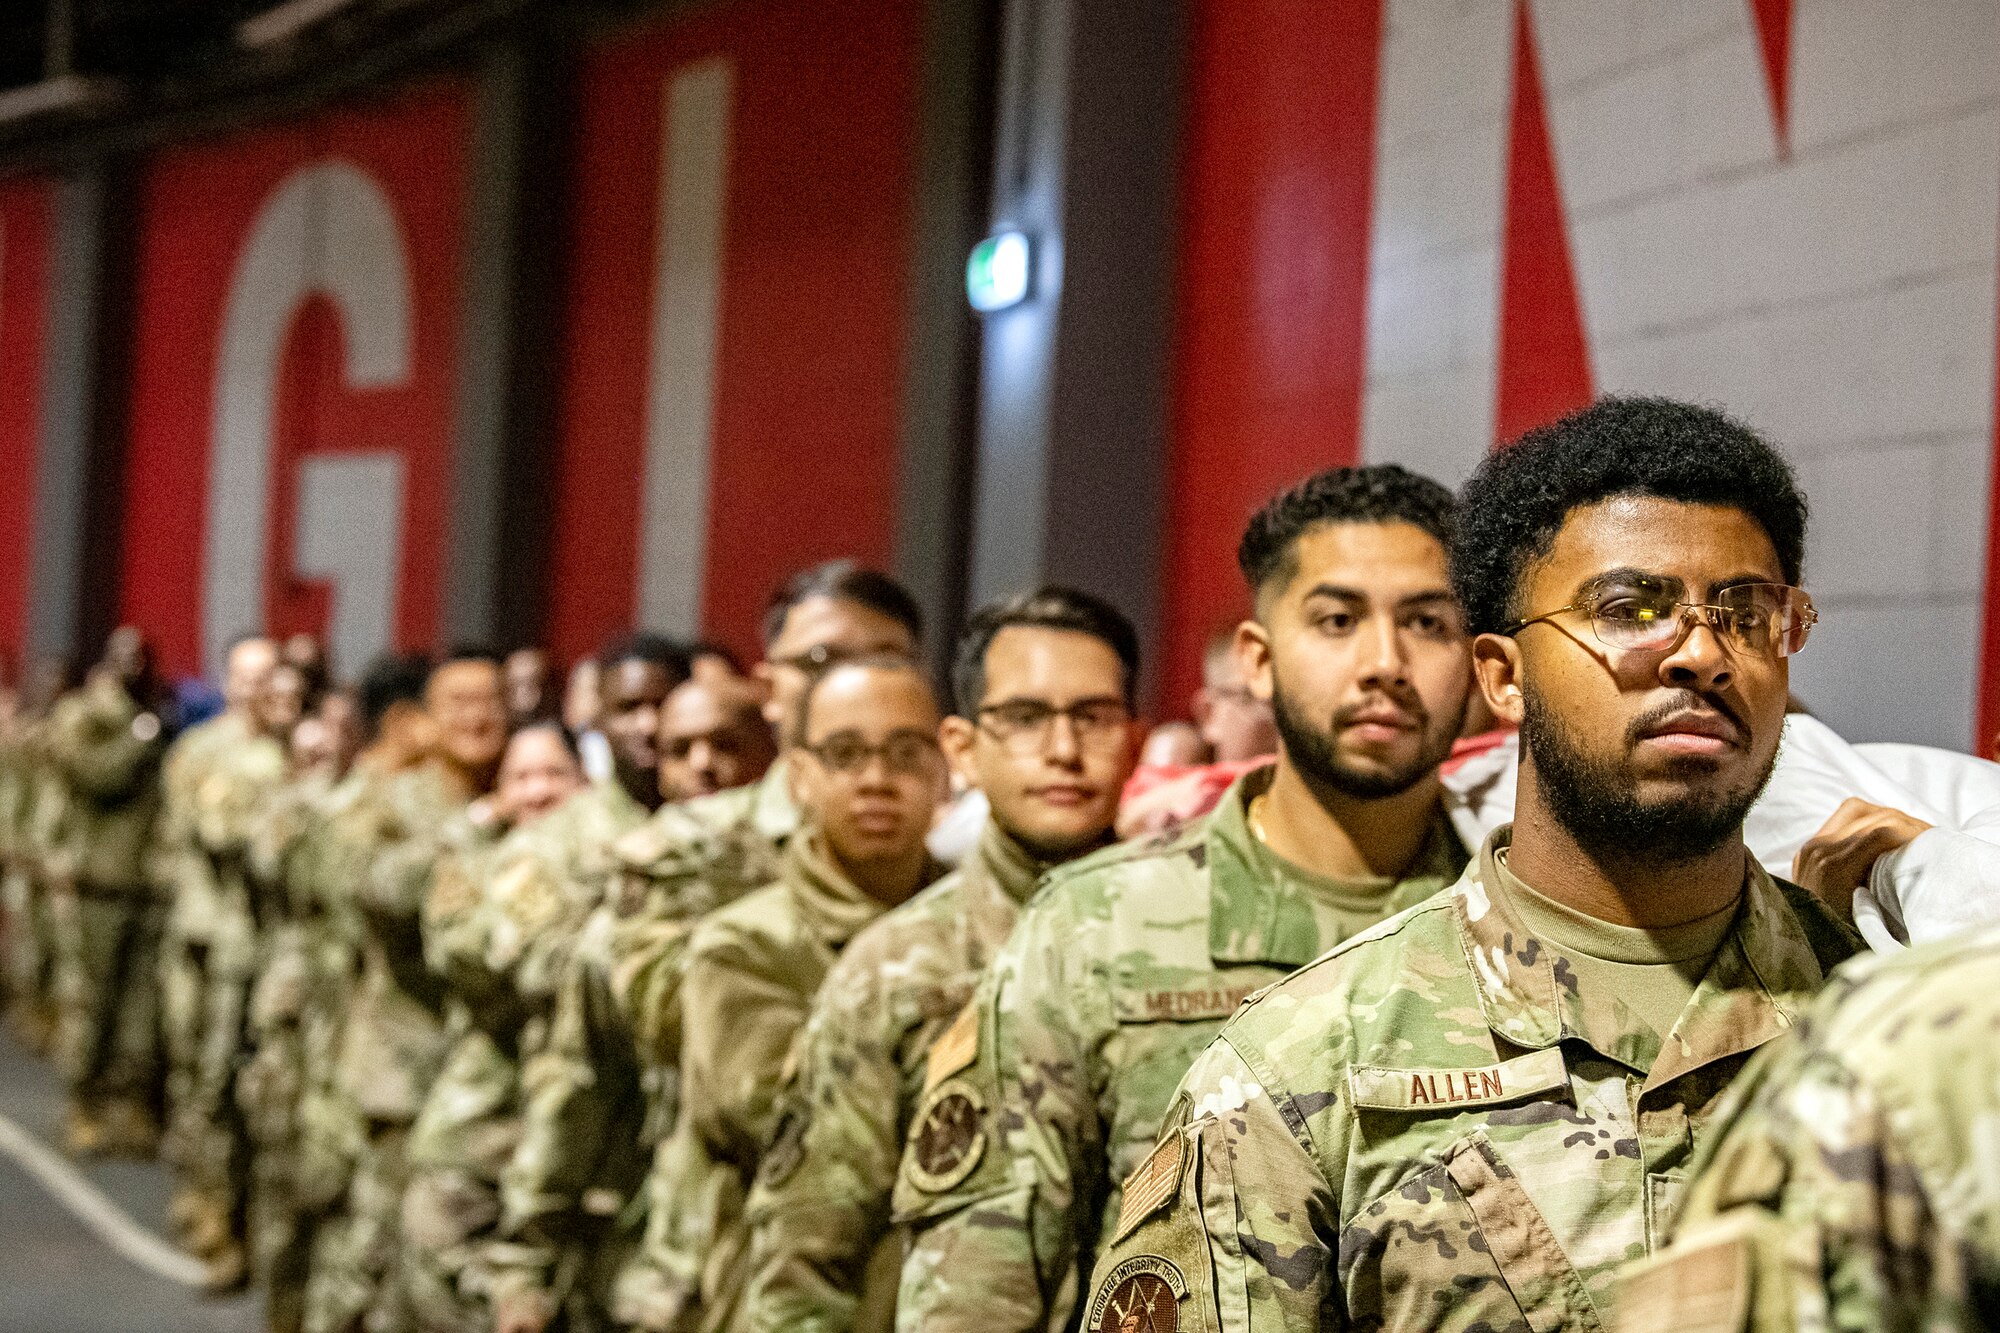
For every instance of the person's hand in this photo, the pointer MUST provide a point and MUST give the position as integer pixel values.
(1836, 860)
(524, 1311)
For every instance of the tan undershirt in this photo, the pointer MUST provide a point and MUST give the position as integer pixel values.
(1653, 972)
(1356, 904)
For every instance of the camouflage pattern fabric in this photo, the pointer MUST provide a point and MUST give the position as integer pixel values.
(107, 749)
(499, 932)
(186, 877)
(1114, 980)
(751, 972)
(823, 1255)
(30, 938)
(234, 786)
(272, 1079)
(603, 1093)
(392, 1044)
(1430, 1128)
(1852, 1178)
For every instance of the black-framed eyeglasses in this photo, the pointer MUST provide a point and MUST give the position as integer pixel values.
(905, 753)
(1647, 615)
(1025, 726)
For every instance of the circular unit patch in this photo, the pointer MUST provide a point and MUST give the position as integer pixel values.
(1142, 1295)
(949, 1138)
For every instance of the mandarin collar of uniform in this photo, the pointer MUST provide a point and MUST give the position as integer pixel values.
(774, 813)
(833, 906)
(1002, 862)
(1756, 986)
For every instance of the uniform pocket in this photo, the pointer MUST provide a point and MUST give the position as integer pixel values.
(1460, 1243)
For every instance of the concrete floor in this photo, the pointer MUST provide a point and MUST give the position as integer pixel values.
(56, 1276)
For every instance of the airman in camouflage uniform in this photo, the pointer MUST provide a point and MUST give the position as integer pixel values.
(393, 1040)
(220, 912)
(1473, 1116)
(272, 1078)
(501, 943)
(1127, 962)
(37, 798)
(1045, 730)
(1431, 1127)
(868, 753)
(1117, 976)
(607, 1092)
(106, 741)
(599, 1098)
(1849, 1181)
(316, 846)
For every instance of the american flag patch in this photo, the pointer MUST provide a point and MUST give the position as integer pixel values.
(1150, 1185)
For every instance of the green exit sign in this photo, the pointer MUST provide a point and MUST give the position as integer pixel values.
(996, 276)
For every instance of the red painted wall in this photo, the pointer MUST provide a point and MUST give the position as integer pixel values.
(26, 241)
(1276, 190)
(198, 206)
(810, 353)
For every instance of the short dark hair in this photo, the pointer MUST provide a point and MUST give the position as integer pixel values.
(470, 652)
(1047, 607)
(391, 679)
(1375, 493)
(556, 728)
(701, 648)
(1520, 496)
(865, 662)
(653, 649)
(847, 581)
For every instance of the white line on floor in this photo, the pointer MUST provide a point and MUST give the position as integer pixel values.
(95, 1210)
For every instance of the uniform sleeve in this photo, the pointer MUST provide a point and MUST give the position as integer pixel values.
(740, 1024)
(995, 1241)
(1811, 1211)
(580, 1098)
(820, 1207)
(1229, 1222)
(107, 764)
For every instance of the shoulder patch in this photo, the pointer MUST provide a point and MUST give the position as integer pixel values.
(955, 1049)
(1141, 1295)
(1151, 1184)
(947, 1138)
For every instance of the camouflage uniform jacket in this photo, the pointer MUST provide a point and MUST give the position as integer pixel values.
(589, 1098)
(1114, 980)
(45, 806)
(1430, 1128)
(751, 973)
(497, 928)
(820, 1211)
(1852, 1179)
(108, 748)
(176, 861)
(392, 1038)
(230, 799)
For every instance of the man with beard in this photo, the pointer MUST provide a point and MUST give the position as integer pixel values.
(1473, 1116)
(1127, 962)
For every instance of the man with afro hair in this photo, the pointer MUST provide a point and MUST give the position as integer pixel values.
(1473, 1115)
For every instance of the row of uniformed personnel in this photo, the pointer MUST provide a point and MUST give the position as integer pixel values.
(456, 1041)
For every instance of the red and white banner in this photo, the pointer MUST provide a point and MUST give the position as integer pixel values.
(734, 348)
(26, 260)
(1413, 230)
(293, 380)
